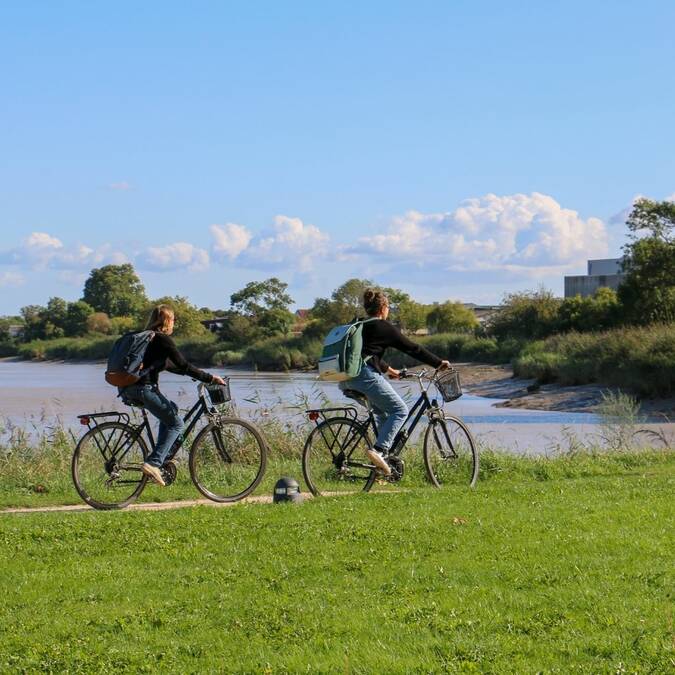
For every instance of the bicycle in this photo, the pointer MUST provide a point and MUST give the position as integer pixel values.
(227, 458)
(331, 458)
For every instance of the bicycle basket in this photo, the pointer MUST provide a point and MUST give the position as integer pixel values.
(448, 385)
(219, 393)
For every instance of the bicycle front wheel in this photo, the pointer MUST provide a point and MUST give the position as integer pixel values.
(228, 460)
(106, 466)
(334, 459)
(450, 454)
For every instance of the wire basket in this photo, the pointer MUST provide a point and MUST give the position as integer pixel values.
(219, 393)
(448, 385)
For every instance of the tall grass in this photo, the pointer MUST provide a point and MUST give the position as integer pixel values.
(641, 360)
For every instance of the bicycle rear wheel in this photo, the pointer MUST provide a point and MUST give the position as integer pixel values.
(334, 459)
(106, 466)
(450, 454)
(228, 460)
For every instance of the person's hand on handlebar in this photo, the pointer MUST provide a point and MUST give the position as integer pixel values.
(444, 365)
(217, 379)
(393, 373)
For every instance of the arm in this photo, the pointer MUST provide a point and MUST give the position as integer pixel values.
(178, 364)
(407, 346)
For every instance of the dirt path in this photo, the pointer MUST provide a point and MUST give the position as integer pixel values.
(149, 506)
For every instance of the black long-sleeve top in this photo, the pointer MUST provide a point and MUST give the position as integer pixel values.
(162, 354)
(379, 334)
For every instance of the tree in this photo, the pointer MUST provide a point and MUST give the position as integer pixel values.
(259, 310)
(648, 289)
(76, 318)
(33, 316)
(258, 297)
(188, 317)
(594, 312)
(527, 315)
(451, 317)
(115, 290)
(345, 303)
(99, 322)
(412, 315)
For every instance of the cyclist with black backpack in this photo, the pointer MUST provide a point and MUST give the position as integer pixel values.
(160, 354)
(390, 409)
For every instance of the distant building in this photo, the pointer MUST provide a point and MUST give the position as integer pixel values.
(214, 325)
(483, 312)
(15, 330)
(607, 273)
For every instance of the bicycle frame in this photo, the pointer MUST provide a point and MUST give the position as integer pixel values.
(190, 420)
(415, 414)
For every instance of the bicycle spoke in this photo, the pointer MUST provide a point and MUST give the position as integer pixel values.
(100, 477)
(227, 460)
(327, 463)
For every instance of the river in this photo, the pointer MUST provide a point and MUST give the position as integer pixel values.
(36, 396)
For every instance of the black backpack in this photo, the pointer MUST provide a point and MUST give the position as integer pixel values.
(125, 362)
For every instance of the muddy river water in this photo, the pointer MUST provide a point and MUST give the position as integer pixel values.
(34, 396)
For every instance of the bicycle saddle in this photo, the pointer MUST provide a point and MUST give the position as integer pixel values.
(356, 395)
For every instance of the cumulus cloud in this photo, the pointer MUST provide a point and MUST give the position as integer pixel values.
(289, 242)
(532, 234)
(180, 255)
(41, 250)
(230, 240)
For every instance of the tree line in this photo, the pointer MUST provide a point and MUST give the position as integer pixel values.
(114, 301)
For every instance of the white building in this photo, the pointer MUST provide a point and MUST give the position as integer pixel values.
(607, 272)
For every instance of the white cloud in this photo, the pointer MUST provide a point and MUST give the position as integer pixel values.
(41, 250)
(528, 234)
(180, 255)
(287, 243)
(10, 279)
(290, 242)
(120, 186)
(230, 240)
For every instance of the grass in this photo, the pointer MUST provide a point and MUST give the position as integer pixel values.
(563, 573)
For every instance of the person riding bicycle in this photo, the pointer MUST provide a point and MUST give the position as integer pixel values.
(162, 354)
(389, 408)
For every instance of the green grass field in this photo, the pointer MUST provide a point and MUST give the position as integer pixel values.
(548, 566)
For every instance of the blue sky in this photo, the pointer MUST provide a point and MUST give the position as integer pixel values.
(454, 149)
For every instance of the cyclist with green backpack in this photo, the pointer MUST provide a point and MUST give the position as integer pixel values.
(390, 409)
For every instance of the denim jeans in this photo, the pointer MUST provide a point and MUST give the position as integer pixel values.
(170, 422)
(389, 408)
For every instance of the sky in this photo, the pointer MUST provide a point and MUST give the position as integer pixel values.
(454, 149)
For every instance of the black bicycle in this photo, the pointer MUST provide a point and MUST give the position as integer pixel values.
(227, 457)
(333, 456)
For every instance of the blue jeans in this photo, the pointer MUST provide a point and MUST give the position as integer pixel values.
(389, 408)
(170, 422)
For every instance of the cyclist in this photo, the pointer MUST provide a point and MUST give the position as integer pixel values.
(389, 408)
(162, 354)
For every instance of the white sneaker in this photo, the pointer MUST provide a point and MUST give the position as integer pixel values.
(154, 473)
(379, 461)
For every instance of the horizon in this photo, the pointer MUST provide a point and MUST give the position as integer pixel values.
(458, 152)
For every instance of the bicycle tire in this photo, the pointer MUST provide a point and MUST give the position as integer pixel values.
(450, 457)
(324, 472)
(228, 453)
(84, 465)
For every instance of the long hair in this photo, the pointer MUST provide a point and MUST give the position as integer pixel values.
(373, 301)
(159, 318)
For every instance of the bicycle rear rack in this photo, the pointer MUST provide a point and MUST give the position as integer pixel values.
(90, 420)
(318, 415)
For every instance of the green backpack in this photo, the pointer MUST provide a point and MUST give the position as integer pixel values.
(341, 356)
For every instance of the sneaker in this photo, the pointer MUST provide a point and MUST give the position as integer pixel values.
(379, 461)
(154, 473)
